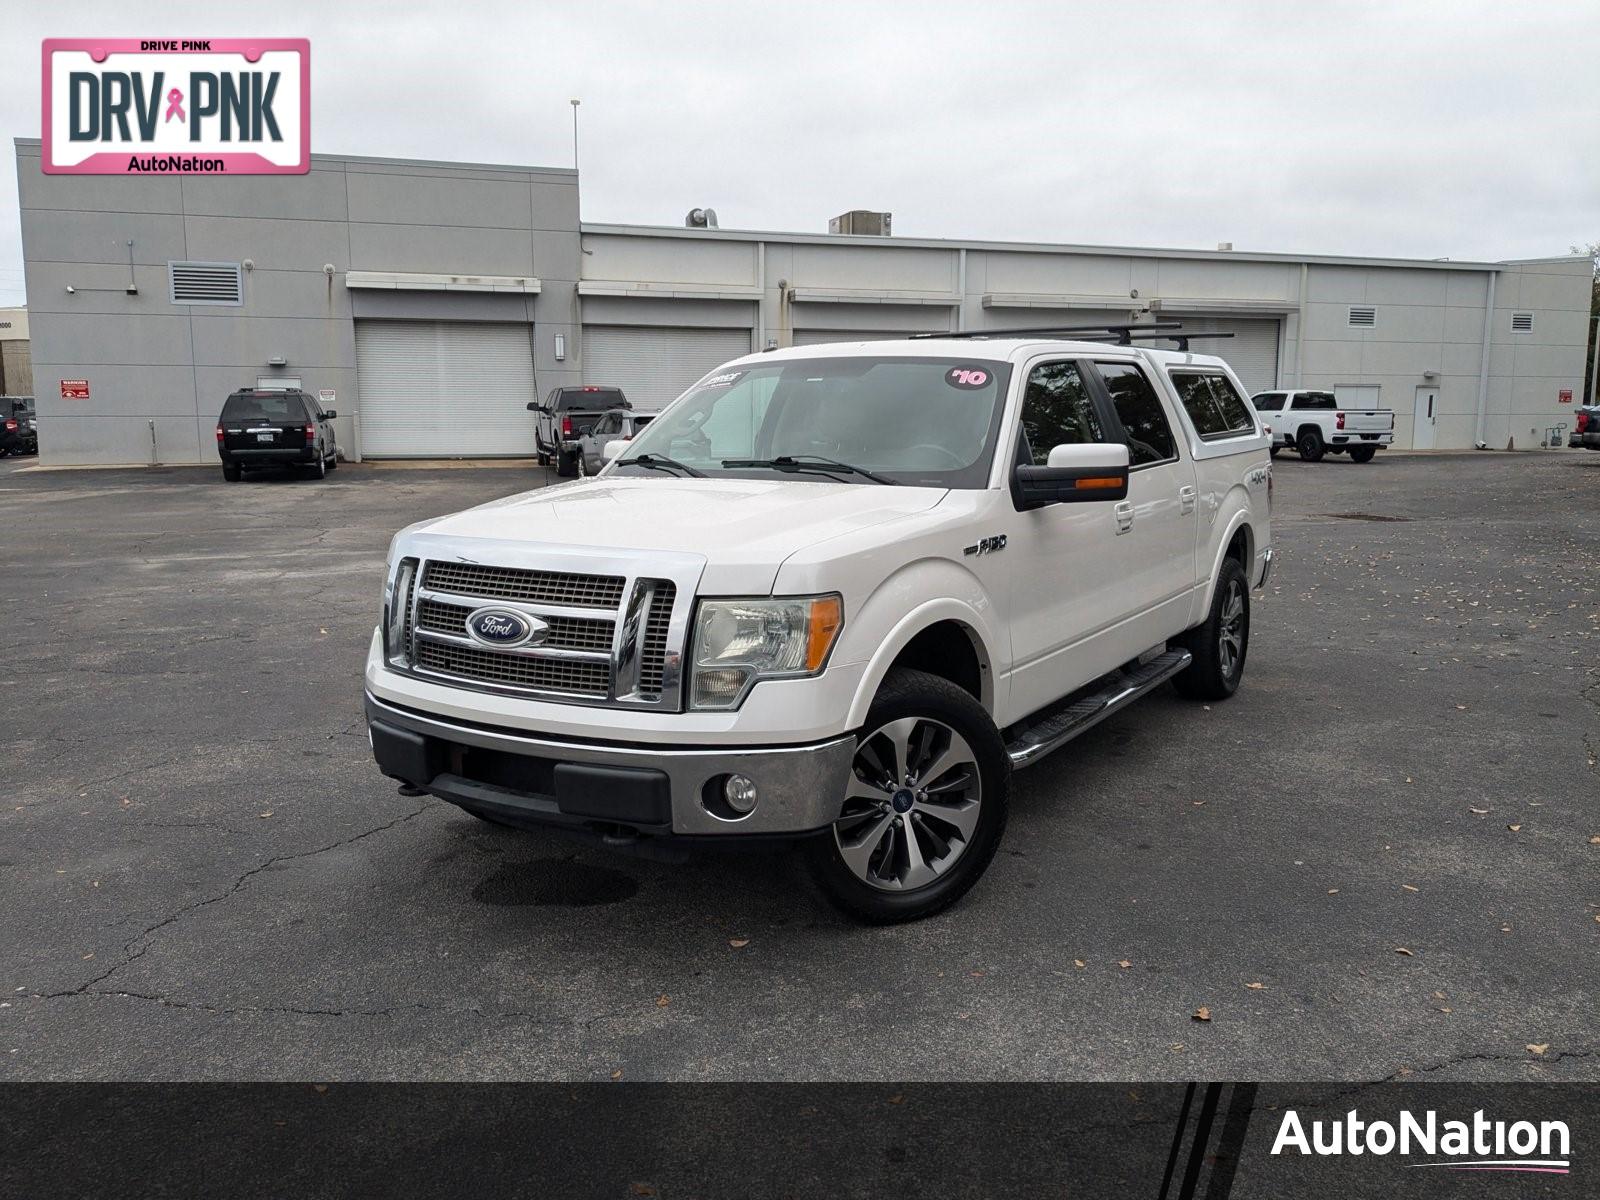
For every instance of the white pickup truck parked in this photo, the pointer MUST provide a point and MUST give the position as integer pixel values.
(833, 594)
(1315, 424)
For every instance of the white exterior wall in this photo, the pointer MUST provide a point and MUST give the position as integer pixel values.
(1430, 315)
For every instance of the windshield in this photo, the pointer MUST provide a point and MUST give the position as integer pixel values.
(920, 421)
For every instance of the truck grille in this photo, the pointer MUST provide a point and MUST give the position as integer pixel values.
(653, 656)
(580, 678)
(530, 587)
(566, 633)
(579, 655)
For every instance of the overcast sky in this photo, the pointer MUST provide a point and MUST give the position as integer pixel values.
(1450, 129)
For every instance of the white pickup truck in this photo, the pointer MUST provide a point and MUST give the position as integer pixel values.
(1315, 424)
(833, 594)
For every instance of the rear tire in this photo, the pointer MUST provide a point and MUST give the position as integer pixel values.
(231, 472)
(1220, 643)
(1362, 454)
(1309, 443)
(322, 467)
(916, 848)
(333, 461)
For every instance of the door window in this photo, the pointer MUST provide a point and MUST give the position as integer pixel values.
(606, 424)
(1268, 401)
(1139, 409)
(1056, 411)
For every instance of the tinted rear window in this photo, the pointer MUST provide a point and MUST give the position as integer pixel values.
(599, 398)
(265, 406)
(1216, 409)
(1315, 400)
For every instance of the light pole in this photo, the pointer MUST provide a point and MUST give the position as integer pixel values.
(575, 104)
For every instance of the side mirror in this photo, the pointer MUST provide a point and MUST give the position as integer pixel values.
(535, 406)
(330, 414)
(1075, 474)
(616, 448)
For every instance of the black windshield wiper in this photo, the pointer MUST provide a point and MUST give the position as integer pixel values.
(660, 462)
(814, 462)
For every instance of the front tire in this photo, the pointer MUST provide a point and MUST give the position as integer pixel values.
(1219, 643)
(1310, 445)
(926, 805)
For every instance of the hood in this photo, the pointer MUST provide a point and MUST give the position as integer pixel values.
(733, 523)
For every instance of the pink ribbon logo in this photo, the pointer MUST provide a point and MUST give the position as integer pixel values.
(175, 105)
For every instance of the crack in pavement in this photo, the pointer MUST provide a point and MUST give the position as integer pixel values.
(147, 935)
(1526, 1058)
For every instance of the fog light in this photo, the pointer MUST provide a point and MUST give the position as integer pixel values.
(740, 793)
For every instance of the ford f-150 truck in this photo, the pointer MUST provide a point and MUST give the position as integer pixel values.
(833, 594)
(1314, 423)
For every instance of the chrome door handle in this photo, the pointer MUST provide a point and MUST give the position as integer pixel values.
(1124, 514)
(1186, 497)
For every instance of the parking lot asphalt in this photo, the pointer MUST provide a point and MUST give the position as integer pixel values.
(1380, 859)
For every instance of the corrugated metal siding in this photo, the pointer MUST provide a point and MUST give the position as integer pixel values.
(432, 389)
(1252, 352)
(654, 364)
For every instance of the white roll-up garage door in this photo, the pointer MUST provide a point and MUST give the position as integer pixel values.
(441, 389)
(823, 337)
(1252, 351)
(654, 364)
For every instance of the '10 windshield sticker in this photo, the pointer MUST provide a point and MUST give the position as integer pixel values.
(967, 377)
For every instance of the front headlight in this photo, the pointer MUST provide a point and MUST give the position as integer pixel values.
(737, 642)
(396, 609)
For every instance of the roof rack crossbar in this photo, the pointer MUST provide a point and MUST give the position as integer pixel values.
(1055, 329)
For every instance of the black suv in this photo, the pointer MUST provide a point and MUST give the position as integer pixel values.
(275, 428)
(19, 428)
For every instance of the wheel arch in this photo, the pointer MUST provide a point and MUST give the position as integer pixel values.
(1238, 540)
(945, 636)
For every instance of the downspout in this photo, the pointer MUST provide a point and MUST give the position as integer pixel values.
(961, 289)
(1300, 330)
(1594, 366)
(761, 297)
(1483, 364)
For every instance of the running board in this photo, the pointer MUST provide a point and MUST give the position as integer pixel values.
(1053, 729)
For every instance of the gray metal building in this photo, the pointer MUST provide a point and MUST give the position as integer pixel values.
(433, 300)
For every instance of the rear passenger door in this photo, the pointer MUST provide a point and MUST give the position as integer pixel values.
(1158, 523)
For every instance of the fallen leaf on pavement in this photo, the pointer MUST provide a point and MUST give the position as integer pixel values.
(1514, 828)
(617, 1074)
(1202, 1013)
(1403, 950)
(1255, 987)
(1409, 888)
(265, 815)
(1594, 841)
(1124, 964)
(1078, 962)
(1537, 1047)
(642, 1189)
(663, 1000)
(738, 943)
(1480, 811)
(1333, 891)
(897, 1099)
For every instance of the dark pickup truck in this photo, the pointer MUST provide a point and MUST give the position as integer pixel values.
(19, 428)
(566, 414)
(260, 428)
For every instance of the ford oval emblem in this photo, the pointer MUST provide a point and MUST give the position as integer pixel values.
(503, 628)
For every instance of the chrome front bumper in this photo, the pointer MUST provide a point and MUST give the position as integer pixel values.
(649, 790)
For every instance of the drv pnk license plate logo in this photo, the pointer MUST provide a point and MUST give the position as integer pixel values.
(214, 106)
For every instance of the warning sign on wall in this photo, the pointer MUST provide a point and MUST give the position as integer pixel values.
(74, 389)
(1566, 395)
